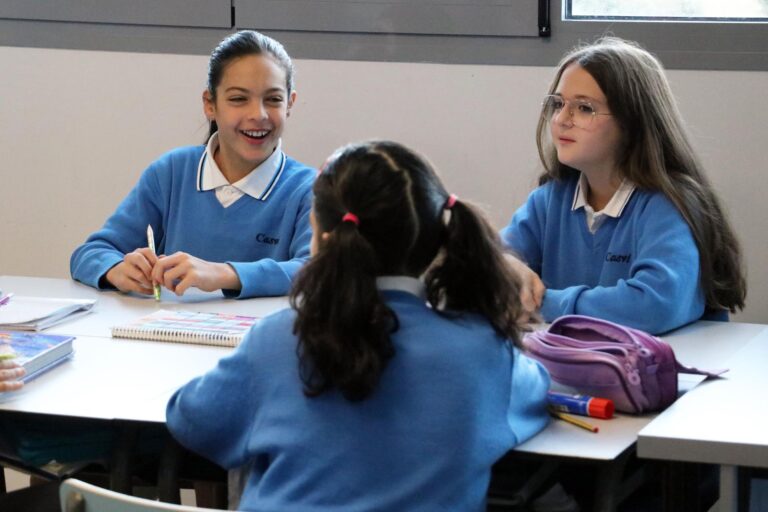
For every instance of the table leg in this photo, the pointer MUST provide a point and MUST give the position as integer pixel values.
(168, 472)
(614, 484)
(689, 486)
(729, 498)
(120, 478)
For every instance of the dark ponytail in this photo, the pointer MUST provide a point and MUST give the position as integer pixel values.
(471, 274)
(344, 337)
(396, 227)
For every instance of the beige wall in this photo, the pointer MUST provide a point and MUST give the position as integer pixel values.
(78, 127)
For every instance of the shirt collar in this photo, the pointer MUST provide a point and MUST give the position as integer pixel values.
(615, 206)
(258, 183)
(407, 284)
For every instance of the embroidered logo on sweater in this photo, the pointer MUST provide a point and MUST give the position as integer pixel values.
(263, 238)
(617, 258)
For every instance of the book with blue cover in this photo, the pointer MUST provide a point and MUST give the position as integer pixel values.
(36, 352)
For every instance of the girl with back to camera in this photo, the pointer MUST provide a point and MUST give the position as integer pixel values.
(230, 215)
(393, 382)
(625, 225)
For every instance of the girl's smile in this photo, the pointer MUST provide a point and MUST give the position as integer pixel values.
(250, 108)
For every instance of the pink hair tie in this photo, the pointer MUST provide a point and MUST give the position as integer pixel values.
(351, 217)
(451, 201)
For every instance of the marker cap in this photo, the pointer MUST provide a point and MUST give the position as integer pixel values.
(600, 408)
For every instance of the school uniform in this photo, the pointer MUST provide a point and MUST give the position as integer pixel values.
(259, 225)
(635, 263)
(454, 398)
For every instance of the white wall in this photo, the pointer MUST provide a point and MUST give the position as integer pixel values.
(78, 127)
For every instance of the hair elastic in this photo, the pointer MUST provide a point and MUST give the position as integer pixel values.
(450, 201)
(351, 217)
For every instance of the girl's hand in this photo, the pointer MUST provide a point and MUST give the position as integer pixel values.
(10, 373)
(134, 273)
(531, 290)
(180, 271)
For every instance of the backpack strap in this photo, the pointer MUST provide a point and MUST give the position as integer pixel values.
(711, 374)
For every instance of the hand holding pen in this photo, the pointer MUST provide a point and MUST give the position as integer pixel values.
(134, 273)
(142, 271)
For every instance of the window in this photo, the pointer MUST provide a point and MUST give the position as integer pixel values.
(684, 34)
(677, 10)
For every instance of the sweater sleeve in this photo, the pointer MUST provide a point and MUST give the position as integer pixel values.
(523, 235)
(527, 413)
(123, 232)
(663, 289)
(269, 277)
(213, 414)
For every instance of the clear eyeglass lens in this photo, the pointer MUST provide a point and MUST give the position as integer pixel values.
(581, 112)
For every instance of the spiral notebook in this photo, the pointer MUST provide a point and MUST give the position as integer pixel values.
(219, 329)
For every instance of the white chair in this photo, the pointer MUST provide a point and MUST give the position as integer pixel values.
(78, 496)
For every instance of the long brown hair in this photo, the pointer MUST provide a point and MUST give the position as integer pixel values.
(656, 154)
(343, 324)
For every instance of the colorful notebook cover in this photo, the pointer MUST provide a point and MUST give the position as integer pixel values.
(36, 352)
(188, 327)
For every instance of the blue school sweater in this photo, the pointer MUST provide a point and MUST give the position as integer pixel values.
(265, 241)
(454, 398)
(640, 269)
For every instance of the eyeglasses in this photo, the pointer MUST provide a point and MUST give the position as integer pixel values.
(582, 111)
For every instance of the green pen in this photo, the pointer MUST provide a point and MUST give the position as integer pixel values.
(151, 245)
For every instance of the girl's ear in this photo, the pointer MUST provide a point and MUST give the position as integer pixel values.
(209, 108)
(291, 101)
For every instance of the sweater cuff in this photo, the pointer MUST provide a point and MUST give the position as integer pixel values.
(263, 278)
(557, 303)
(100, 282)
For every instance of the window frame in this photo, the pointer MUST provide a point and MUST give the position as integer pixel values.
(679, 45)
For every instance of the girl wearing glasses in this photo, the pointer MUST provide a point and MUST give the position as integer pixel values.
(624, 225)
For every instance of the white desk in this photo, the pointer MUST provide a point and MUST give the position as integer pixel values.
(119, 379)
(722, 421)
(132, 380)
(115, 308)
(703, 345)
(126, 381)
(113, 379)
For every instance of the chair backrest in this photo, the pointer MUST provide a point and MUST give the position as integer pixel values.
(78, 496)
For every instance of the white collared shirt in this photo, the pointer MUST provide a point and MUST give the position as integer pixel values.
(408, 284)
(613, 209)
(258, 183)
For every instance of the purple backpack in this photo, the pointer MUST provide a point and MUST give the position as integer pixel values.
(603, 359)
